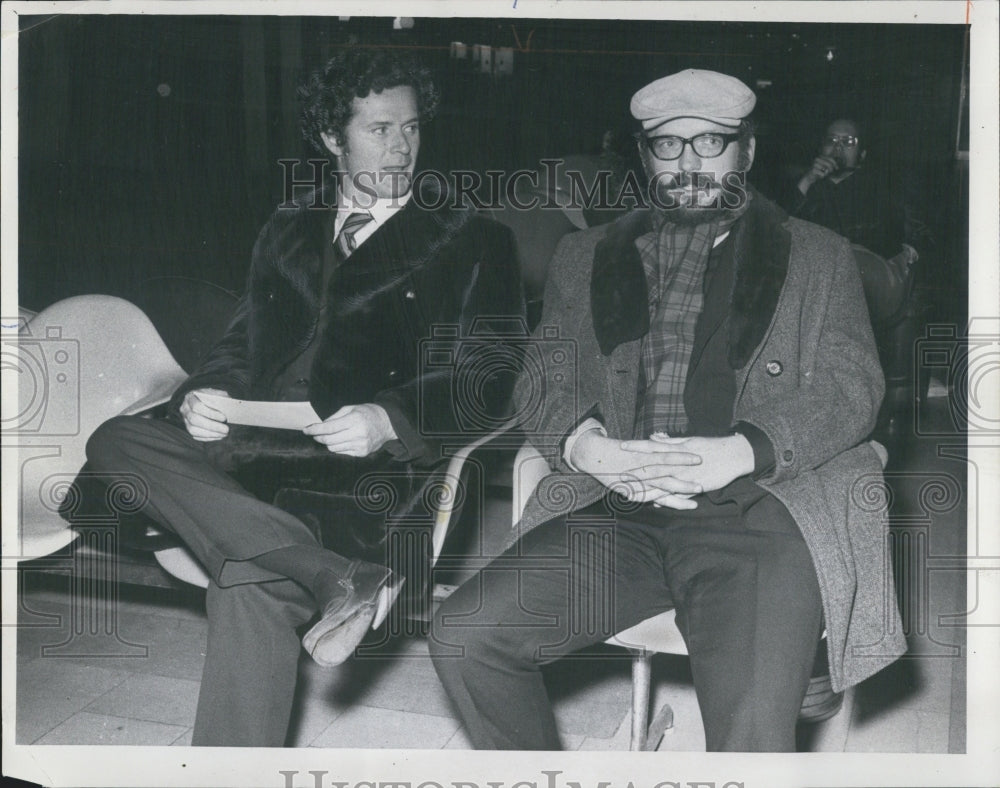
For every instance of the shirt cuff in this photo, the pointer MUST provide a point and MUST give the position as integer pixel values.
(585, 426)
(763, 449)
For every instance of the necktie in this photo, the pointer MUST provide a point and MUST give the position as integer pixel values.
(353, 223)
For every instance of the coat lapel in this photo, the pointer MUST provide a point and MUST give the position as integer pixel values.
(619, 296)
(412, 236)
(287, 270)
(762, 245)
(299, 243)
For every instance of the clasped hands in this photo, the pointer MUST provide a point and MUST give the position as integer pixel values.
(354, 430)
(661, 470)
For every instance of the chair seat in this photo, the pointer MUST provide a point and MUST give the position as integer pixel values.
(656, 634)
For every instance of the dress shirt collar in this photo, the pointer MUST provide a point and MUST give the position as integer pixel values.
(380, 211)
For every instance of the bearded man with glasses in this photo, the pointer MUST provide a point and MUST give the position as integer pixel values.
(707, 455)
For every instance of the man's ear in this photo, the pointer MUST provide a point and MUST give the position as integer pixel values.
(332, 144)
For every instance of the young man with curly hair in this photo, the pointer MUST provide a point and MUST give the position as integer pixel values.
(291, 526)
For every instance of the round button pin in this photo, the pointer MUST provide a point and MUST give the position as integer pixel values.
(774, 368)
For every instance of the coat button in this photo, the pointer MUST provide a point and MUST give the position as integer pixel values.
(393, 373)
(270, 296)
(410, 295)
(774, 368)
(787, 455)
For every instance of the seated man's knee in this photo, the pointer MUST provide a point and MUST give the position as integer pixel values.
(495, 629)
(104, 447)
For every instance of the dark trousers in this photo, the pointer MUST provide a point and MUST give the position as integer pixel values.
(253, 650)
(739, 575)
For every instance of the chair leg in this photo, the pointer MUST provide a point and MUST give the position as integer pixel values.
(642, 668)
(662, 722)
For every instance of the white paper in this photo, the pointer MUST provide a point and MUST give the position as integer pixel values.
(281, 415)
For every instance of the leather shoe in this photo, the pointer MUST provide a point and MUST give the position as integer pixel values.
(347, 616)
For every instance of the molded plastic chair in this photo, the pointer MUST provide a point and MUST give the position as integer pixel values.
(79, 362)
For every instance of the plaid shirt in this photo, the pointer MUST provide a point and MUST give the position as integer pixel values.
(675, 258)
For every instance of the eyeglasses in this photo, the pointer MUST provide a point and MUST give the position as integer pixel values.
(705, 146)
(844, 140)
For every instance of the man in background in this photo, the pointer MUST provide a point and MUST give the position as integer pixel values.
(847, 192)
(840, 192)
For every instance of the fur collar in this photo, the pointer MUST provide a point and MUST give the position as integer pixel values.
(297, 233)
(289, 256)
(619, 296)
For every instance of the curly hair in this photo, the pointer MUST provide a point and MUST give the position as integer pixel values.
(354, 72)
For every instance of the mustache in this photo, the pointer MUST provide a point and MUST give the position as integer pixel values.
(685, 180)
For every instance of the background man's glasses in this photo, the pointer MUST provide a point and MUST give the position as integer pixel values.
(705, 146)
(844, 140)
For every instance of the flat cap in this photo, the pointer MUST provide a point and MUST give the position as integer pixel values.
(693, 94)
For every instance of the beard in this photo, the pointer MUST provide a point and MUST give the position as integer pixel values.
(690, 199)
(691, 217)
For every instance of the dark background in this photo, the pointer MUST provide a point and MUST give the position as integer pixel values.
(149, 144)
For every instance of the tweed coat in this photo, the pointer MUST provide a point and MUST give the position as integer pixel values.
(425, 290)
(807, 375)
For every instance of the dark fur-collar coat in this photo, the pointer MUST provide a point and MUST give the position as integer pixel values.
(419, 317)
(429, 288)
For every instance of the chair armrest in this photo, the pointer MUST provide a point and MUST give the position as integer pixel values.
(449, 486)
(530, 467)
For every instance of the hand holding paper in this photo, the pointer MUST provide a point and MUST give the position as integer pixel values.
(220, 406)
(354, 430)
(204, 417)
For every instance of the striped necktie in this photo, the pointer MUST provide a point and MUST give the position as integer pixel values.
(353, 224)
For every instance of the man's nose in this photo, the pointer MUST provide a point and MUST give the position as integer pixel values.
(689, 161)
(399, 143)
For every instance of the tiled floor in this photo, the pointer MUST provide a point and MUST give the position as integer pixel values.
(141, 686)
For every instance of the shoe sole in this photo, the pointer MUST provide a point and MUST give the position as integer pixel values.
(332, 647)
